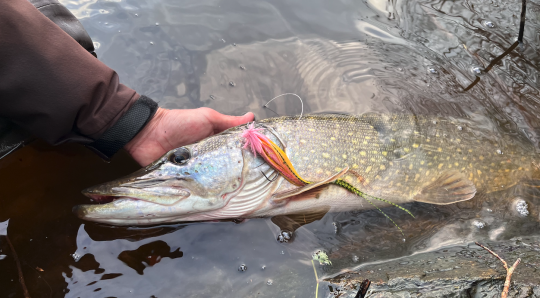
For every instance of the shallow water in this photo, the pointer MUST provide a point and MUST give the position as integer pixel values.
(384, 56)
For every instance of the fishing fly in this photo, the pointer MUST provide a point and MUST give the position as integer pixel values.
(272, 154)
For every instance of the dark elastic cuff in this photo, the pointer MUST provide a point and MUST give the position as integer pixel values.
(125, 129)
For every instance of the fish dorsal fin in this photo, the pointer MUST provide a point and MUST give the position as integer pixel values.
(291, 222)
(450, 187)
(281, 197)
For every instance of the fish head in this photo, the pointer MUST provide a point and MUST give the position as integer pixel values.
(189, 183)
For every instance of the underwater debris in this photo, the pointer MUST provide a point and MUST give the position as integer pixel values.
(509, 271)
(19, 269)
(322, 257)
(363, 289)
(509, 50)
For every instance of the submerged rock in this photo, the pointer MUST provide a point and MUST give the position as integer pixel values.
(461, 271)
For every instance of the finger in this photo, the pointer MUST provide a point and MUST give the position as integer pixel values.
(222, 122)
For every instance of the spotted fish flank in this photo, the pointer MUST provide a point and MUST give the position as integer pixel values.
(398, 158)
(278, 160)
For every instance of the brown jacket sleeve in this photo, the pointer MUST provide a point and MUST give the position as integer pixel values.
(50, 85)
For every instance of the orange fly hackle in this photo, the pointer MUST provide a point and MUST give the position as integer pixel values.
(262, 145)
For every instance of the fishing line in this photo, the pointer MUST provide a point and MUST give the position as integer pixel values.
(388, 202)
(262, 163)
(12, 149)
(395, 224)
(273, 179)
(274, 132)
(360, 193)
(302, 102)
(272, 111)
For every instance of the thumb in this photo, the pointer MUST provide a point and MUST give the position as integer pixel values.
(222, 122)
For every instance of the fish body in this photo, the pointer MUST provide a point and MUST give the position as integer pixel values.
(398, 158)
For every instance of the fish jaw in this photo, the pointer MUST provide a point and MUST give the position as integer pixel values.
(152, 197)
(167, 201)
(126, 211)
(126, 205)
(168, 191)
(138, 200)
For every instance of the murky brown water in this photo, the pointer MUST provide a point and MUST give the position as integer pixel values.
(386, 56)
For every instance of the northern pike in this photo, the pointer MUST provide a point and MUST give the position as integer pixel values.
(398, 158)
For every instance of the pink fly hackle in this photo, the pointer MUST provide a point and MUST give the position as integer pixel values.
(271, 153)
(254, 139)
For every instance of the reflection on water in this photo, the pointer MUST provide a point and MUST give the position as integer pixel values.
(416, 57)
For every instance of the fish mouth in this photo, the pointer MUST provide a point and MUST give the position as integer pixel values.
(108, 213)
(104, 193)
(104, 199)
(131, 206)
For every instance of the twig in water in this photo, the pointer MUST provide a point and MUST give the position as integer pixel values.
(363, 289)
(19, 269)
(37, 269)
(493, 62)
(512, 47)
(316, 278)
(522, 20)
(301, 112)
(509, 271)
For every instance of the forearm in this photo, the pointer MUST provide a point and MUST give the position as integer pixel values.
(54, 88)
(50, 85)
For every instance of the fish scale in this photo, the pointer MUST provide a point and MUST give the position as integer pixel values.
(397, 155)
(398, 158)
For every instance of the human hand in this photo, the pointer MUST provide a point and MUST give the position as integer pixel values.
(170, 129)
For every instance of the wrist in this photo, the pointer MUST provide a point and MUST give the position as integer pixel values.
(126, 128)
(147, 131)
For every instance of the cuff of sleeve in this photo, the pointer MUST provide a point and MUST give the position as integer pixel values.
(125, 129)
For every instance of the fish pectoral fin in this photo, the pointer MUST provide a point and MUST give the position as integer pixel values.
(291, 222)
(450, 187)
(281, 197)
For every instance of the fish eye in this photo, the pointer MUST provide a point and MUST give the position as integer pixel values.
(180, 156)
